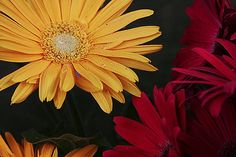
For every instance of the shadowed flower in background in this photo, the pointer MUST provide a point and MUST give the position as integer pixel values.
(156, 134)
(216, 70)
(209, 136)
(74, 43)
(220, 76)
(206, 24)
(26, 149)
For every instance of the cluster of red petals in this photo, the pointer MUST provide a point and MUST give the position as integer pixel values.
(210, 55)
(156, 134)
(209, 136)
(219, 74)
(207, 64)
(206, 23)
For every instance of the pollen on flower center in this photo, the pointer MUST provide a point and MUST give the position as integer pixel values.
(65, 42)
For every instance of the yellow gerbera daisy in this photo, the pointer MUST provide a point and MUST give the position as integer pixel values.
(26, 149)
(74, 42)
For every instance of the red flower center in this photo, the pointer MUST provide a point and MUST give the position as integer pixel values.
(228, 149)
(165, 150)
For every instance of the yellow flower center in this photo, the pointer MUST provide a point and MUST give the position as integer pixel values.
(65, 42)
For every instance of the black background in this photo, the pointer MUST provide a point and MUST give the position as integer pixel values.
(80, 114)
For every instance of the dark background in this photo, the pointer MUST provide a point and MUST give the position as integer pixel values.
(81, 115)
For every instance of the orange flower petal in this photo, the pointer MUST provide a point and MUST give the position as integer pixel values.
(49, 81)
(86, 85)
(59, 98)
(104, 100)
(67, 80)
(22, 92)
(14, 146)
(88, 151)
(29, 70)
(18, 57)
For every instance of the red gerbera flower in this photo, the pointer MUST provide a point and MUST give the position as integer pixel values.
(209, 136)
(157, 132)
(221, 76)
(206, 20)
(229, 24)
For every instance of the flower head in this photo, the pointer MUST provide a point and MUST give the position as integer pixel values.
(206, 25)
(156, 134)
(220, 76)
(209, 136)
(26, 149)
(74, 42)
(209, 58)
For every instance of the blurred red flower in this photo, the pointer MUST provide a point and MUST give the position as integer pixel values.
(158, 130)
(209, 56)
(219, 74)
(209, 136)
(206, 24)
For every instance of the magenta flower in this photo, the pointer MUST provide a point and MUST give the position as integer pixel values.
(220, 75)
(206, 24)
(209, 136)
(158, 130)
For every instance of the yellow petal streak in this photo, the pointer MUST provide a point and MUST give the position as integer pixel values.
(33, 79)
(18, 57)
(113, 7)
(48, 7)
(41, 11)
(105, 76)
(59, 98)
(76, 8)
(135, 64)
(89, 76)
(86, 85)
(121, 22)
(55, 153)
(28, 12)
(117, 95)
(135, 42)
(29, 70)
(67, 80)
(104, 100)
(120, 54)
(6, 81)
(130, 86)
(22, 92)
(65, 9)
(129, 34)
(121, 11)
(90, 9)
(113, 66)
(16, 28)
(6, 34)
(49, 81)
(14, 46)
(9, 9)
(142, 49)
(56, 8)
